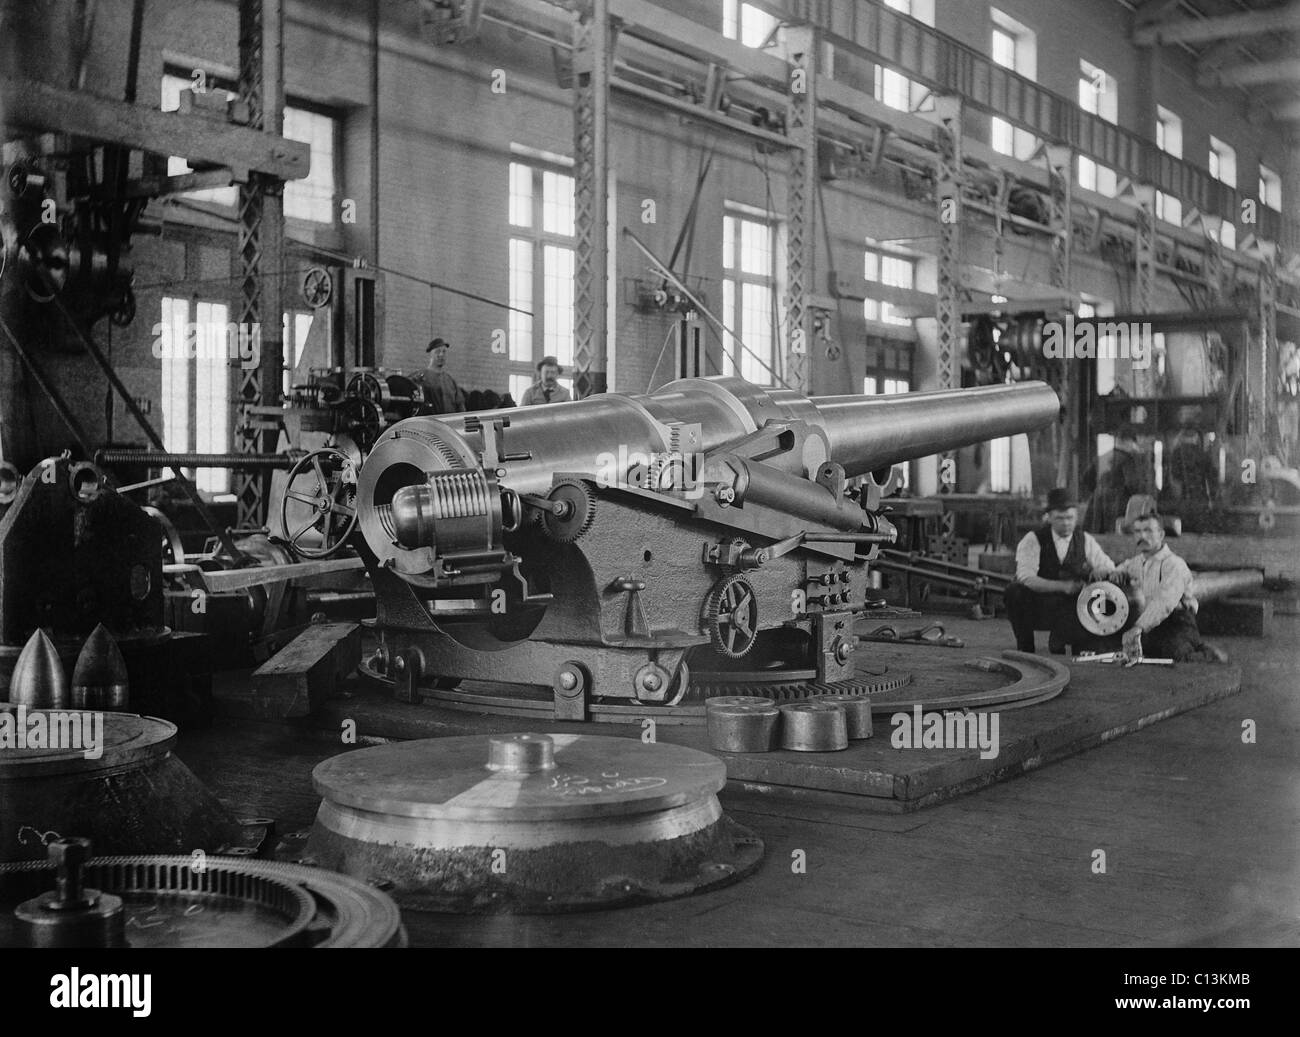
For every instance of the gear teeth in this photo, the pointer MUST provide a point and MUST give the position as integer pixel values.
(796, 691)
(564, 533)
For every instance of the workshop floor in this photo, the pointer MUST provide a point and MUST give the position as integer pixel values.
(1200, 833)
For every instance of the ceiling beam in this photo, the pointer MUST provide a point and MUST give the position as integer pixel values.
(1152, 11)
(1252, 73)
(1228, 26)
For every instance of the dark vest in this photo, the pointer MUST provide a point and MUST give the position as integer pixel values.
(1075, 566)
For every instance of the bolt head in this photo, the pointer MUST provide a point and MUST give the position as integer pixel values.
(651, 682)
(71, 853)
(568, 680)
(399, 664)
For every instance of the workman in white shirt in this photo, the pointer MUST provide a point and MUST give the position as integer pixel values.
(1053, 564)
(1160, 589)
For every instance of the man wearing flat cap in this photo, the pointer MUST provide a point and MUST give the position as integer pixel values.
(441, 392)
(547, 388)
(1053, 564)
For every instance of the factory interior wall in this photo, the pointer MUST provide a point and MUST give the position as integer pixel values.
(443, 185)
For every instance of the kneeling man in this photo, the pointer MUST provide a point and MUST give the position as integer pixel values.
(1053, 564)
(1160, 584)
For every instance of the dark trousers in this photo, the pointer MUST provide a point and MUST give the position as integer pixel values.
(1177, 638)
(1056, 613)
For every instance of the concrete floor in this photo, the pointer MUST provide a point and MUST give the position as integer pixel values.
(1201, 836)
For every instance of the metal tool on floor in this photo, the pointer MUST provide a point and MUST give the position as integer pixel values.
(1121, 658)
(933, 634)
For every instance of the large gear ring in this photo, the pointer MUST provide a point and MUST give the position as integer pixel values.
(579, 511)
(731, 616)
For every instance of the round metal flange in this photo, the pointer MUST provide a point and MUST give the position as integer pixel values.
(742, 725)
(122, 741)
(814, 727)
(612, 821)
(1102, 608)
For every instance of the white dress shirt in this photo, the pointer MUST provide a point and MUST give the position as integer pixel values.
(1159, 583)
(1028, 556)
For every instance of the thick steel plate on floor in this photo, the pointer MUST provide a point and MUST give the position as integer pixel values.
(111, 777)
(181, 901)
(528, 823)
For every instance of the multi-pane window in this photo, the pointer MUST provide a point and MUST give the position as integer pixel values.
(196, 360)
(893, 88)
(1270, 188)
(751, 25)
(1000, 465)
(749, 297)
(541, 207)
(1169, 139)
(891, 270)
(1223, 167)
(1099, 95)
(1014, 46)
(312, 197)
(297, 324)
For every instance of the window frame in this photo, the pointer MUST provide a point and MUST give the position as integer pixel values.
(735, 279)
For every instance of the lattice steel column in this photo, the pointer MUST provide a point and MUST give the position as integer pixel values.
(1144, 250)
(1263, 390)
(801, 202)
(593, 44)
(948, 181)
(260, 247)
(1063, 439)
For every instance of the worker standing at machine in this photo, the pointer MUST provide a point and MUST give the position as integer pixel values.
(440, 389)
(1161, 584)
(547, 388)
(1053, 564)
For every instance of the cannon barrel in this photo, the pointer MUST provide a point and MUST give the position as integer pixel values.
(870, 432)
(607, 434)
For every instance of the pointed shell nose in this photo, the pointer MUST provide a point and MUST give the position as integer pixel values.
(39, 680)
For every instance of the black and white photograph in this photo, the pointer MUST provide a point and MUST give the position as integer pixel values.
(649, 474)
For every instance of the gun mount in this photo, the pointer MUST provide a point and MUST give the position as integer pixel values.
(609, 547)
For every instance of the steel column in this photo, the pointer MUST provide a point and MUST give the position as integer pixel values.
(1144, 230)
(948, 184)
(1063, 436)
(260, 247)
(801, 202)
(592, 49)
(1262, 391)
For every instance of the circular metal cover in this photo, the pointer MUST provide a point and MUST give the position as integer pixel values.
(1102, 608)
(127, 740)
(448, 779)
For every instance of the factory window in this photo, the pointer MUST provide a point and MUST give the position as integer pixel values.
(749, 297)
(1270, 188)
(541, 256)
(312, 197)
(1099, 95)
(196, 360)
(895, 89)
(1014, 47)
(1000, 465)
(300, 322)
(751, 25)
(1223, 162)
(890, 270)
(1169, 139)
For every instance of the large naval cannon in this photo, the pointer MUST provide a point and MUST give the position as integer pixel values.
(620, 553)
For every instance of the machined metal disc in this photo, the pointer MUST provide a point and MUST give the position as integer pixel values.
(449, 779)
(126, 740)
(1102, 608)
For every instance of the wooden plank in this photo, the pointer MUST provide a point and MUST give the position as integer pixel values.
(298, 678)
(196, 138)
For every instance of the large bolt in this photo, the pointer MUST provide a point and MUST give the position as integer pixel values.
(68, 855)
(651, 682)
(726, 495)
(568, 680)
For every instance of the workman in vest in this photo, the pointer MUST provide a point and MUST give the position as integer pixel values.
(1053, 564)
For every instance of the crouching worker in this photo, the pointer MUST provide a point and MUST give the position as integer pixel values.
(1053, 564)
(1160, 586)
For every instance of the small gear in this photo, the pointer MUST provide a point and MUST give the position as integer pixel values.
(731, 616)
(581, 510)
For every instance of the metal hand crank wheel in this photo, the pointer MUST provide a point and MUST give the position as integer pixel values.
(333, 479)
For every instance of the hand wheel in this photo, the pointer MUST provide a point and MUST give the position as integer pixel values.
(332, 478)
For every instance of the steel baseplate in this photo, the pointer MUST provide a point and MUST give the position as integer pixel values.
(528, 823)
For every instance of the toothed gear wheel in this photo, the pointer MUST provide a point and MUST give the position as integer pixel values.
(582, 514)
(785, 687)
(731, 616)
